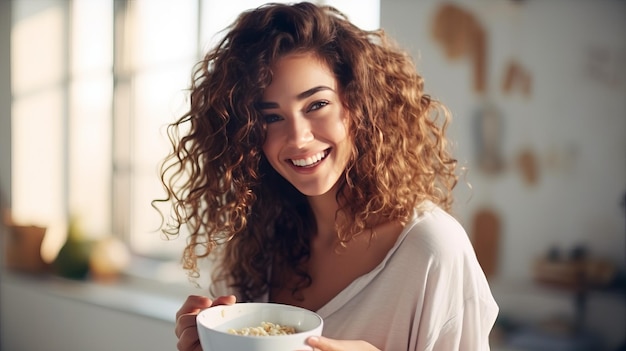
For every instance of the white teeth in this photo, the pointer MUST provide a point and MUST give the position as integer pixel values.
(309, 160)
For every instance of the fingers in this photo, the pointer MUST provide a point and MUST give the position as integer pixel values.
(225, 300)
(189, 340)
(186, 315)
(186, 324)
(326, 344)
(193, 304)
(322, 344)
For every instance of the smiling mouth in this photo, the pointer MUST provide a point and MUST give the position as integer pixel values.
(311, 160)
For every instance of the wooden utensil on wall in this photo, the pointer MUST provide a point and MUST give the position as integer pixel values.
(486, 240)
(461, 35)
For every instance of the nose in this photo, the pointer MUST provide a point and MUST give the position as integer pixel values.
(300, 131)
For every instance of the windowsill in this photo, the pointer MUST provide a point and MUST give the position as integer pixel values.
(130, 293)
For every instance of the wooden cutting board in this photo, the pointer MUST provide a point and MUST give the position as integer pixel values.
(486, 239)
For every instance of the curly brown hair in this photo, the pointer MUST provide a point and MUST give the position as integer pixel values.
(234, 203)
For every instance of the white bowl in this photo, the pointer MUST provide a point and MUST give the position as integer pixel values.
(214, 323)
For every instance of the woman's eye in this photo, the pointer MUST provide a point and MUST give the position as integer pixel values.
(271, 118)
(317, 105)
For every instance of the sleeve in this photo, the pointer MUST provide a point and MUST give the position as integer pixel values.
(469, 330)
(459, 310)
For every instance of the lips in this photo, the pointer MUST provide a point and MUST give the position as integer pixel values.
(311, 160)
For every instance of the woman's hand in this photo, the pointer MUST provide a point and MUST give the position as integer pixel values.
(326, 344)
(186, 329)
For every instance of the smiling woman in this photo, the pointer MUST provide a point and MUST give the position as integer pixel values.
(316, 171)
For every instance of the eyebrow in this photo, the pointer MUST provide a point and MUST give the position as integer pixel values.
(303, 95)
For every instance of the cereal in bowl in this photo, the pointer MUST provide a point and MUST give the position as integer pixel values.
(266, 329)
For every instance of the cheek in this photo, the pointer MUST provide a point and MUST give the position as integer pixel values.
(342, 130)
(345, 122)
(346, 139)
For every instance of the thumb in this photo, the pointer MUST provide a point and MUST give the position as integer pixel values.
(320, 343)
(323, 344)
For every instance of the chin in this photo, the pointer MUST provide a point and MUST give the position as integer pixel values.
(315, 189)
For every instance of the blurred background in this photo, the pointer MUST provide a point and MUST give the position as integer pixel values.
(537, 90)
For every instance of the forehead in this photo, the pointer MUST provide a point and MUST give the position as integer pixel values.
(296, 73)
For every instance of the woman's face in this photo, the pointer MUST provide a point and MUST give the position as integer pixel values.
(307, 138)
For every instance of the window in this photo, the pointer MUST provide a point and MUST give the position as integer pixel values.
(91, 103)
(61, 112)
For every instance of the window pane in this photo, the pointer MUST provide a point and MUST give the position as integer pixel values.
(37, 63)
(90, 161)
(159, 100)
(89, 127)
(91, 36)
(163, 31)
(37, 167)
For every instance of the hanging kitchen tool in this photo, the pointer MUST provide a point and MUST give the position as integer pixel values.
(486, 228)
(488, 121)
(462, 35)
(518, 80)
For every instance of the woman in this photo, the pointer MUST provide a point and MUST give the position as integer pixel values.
(315, 169)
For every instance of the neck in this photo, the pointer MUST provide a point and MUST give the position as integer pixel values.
(324, 209)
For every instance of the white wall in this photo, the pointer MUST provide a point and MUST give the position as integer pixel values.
(570, 114)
